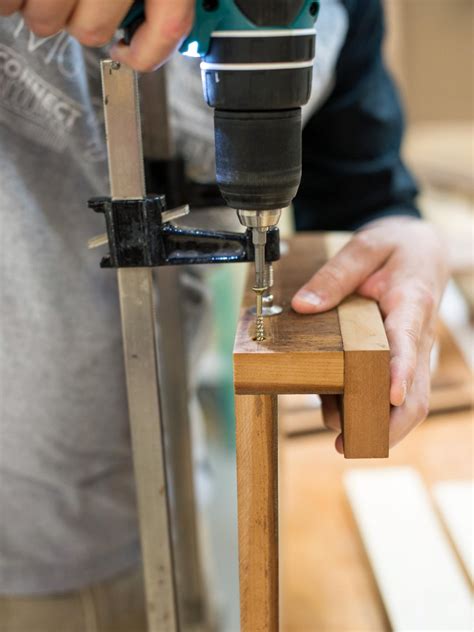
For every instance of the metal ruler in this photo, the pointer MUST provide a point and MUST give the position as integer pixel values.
(155, 355)
(192, 601)
(124, 145)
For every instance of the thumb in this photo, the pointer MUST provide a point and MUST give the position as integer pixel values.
(342, 274)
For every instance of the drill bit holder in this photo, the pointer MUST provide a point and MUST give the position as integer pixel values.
(140, 234)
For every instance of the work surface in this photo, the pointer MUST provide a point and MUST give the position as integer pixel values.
(327, 584)
(301, 353)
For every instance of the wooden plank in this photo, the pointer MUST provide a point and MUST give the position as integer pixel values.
(451, 390)
(421, 584)
(257, 482)
(323, 563)
(365, 408)
(341, 350)
(366, 399)
(326, 581)
(455, 500)
(452, 379)
(302, 353)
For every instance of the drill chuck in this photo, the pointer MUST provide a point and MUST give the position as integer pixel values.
(258, 157)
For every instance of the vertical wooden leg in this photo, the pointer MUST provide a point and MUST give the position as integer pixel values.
(257, 482)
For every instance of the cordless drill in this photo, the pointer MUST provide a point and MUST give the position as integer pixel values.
(257, 60)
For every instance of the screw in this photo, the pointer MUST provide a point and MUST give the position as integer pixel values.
(259, 329)
(314, 8)
(259, 323)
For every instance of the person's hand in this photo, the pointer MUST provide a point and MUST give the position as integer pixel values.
(94, 22)
(399, 262)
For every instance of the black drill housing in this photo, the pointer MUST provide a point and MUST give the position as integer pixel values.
(257, 86)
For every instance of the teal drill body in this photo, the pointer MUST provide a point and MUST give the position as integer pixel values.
(227, 15)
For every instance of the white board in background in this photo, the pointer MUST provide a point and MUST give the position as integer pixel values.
(419, 578)
(455, 500)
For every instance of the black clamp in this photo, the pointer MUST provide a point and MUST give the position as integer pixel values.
(140, 235)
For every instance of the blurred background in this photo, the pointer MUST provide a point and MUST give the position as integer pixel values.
(332, 578)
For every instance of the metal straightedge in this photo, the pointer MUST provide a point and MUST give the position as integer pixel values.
(124, 145)
(149, 251)
(191, 597)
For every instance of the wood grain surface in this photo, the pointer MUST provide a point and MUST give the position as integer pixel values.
(412, 560)
(257, 486)
(340, 351)
(302, 353)
(366, 399)
(451, 390)
(326, 580)
(365, 405)
(452, 381)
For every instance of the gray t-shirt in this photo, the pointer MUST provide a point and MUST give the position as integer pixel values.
(67, 506)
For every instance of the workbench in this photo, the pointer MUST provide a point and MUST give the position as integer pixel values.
(326, 581)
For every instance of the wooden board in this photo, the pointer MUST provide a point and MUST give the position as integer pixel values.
(365, 407)
(326, 581)
(418, 575)
(257, 488)
(452, 381)
(302, 353)
(451, 390)
(455, 500)
(340, 351)
(366, 400)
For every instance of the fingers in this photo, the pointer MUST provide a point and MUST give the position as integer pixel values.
(339, 444)
(331, 414)
(414, 411)
(8, 7)
(332, 418)
(409, 324)
(416, 407)
(94, 22)
(343, 274)
(400, 264)
(167, 23)
(403, 327)
(47, 17)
